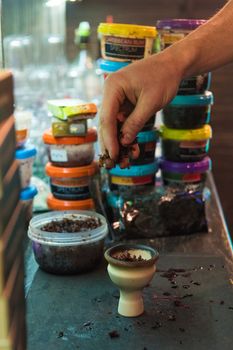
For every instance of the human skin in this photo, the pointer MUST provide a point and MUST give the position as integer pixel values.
(141, 89)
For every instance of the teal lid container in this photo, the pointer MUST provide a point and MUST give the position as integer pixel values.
(135, 170)
(193, 100)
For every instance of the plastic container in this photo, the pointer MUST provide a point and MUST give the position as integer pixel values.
(188, 111)
(74, 109)
(185, 145)
(146, 141)
(114, 205)
(70, 151)
(195, 85)
(173, 30)
(26, 197)
(126, 42)
(109, 67)
(22, 126)
(25, 156)
(185, 173)
(66, 128)
(67, 253)
(58, 204)
(136, 177)
(71, 183)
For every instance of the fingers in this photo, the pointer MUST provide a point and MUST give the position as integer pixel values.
(113, 98)
(144, 109)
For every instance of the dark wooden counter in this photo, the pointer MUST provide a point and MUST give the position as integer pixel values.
(80, 312)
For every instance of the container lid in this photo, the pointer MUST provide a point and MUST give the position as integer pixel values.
(58, 204)
(114, 201)
(54, 171)
(49, 139)
(204, 133)
(147, 136)
(112, 66)
(193, 100)
(65, 108)
(186, 168)
(186, 24)
(66, 238)
(25, 152)
(127, 30)
(135, 170)
(28, 193)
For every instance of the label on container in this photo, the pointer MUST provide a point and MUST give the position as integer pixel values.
(132, 181)
(78, 129)
(126, 48)
(167, 39)
(179, 178)
(58, 155)
(193, 148)
(70, 189)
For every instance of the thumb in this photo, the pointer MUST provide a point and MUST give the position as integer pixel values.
(142, 112)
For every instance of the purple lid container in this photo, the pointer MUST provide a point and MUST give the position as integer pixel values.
(186, 24)
(186, 168)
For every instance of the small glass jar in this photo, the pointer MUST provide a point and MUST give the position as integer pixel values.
(126, 42)
(70, 151)
(25, 156)
(185, 145)
(71, 183)
(188, 111)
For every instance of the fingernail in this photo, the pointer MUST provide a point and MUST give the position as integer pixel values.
(126, 139)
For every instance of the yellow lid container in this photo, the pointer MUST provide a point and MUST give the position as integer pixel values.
(204, 133)
(127, 30)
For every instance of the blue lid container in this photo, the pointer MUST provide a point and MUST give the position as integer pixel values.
(25, 152)
(135, 170)
(147, 136)
(112, 66)
(28, 193)
(193, 100)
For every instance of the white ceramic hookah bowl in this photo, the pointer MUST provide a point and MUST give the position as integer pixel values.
(131, 275)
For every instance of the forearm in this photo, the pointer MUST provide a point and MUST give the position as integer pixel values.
(208, 47)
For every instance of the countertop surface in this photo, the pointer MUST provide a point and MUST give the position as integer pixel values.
(193, 309)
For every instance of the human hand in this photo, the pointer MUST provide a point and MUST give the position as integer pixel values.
(133, 95)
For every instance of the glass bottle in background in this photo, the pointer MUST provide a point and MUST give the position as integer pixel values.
(83, 77)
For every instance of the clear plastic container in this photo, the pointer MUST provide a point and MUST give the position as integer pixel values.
(59, 204)
(135, 178)
(22, 126)
(25, 156)
(185, 145)
(26, 197)
(67, 253)
(173, 30)
(71, 183)
(180, 175)
(146, 141)
(70, 151)
(126, 42)
(188, 111)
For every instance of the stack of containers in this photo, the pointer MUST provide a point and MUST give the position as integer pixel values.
(186, 131)
(12, 228)
(70, 148)
(25, 154)
(121, 44)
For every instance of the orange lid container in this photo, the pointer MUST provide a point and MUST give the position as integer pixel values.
(58, 204)
(49, 139)
(54, 171)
